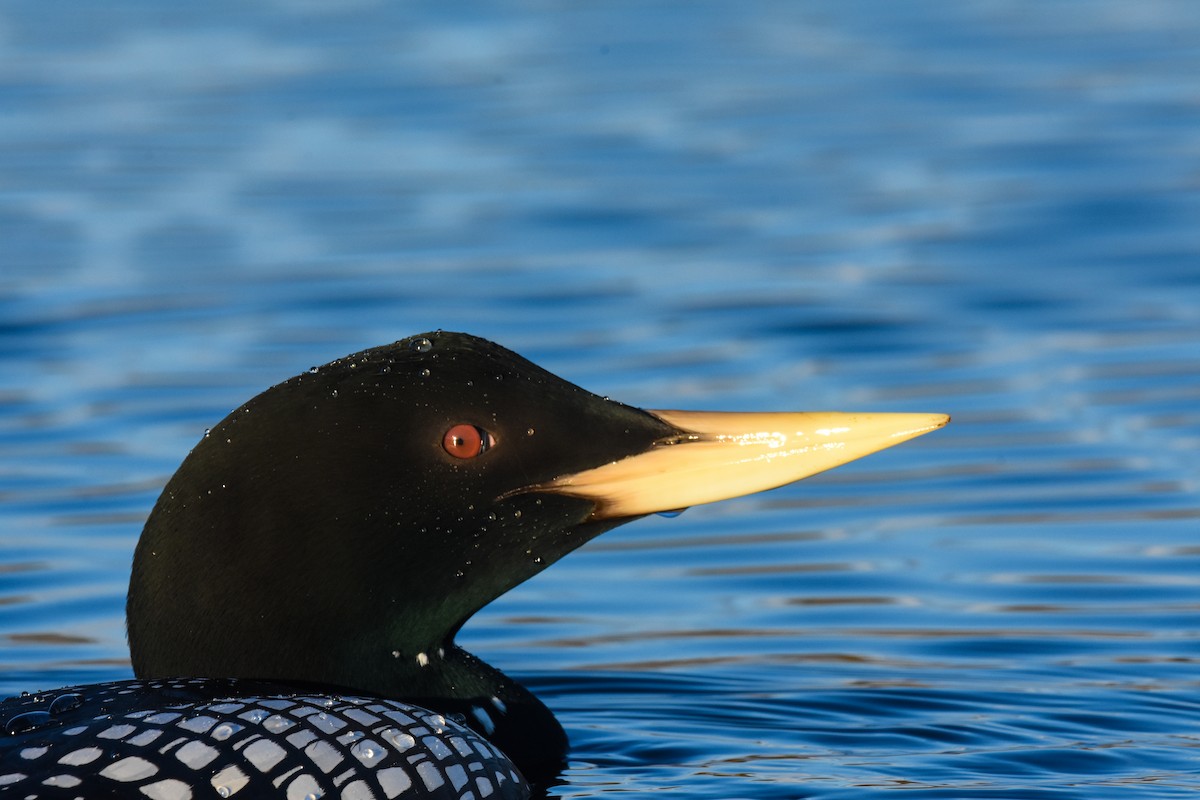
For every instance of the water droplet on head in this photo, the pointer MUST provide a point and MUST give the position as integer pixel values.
(420, 345)
(334, 393)
(224, 791)
(425, 373)
(207, 431)
(403, 741)
(529, 431)
(313, 370)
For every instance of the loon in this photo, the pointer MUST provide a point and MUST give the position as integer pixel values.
(297, 588)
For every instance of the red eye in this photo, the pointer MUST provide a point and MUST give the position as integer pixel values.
(466, 441)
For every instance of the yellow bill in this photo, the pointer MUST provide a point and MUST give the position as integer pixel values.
(719, 455)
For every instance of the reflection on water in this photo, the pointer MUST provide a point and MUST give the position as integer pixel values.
(981, 209)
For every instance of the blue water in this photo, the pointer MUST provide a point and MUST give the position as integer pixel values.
(988, 209)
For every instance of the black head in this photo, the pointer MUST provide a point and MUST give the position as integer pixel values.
(341, 526)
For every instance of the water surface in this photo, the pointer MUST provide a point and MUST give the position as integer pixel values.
(985, 209)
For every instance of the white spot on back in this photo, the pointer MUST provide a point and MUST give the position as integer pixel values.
(163, 718)
(116, 732)
(431, 776)
(84, 755)
(279, 780)
(229, 781)
(169, 789)
(301, 738)
(30, 753)
(327, 723)
(457, 776)
(197, 754)
(145, 737)
(255, 715)
(264, 754)
(368, 751)
(358, 791)
(422, 660)
(361, 717)
(305, 787)
(324, 755)
(393, 781)
(130, 768)
(279, 704)
(437, 748)
(198, 724)
(277, 724)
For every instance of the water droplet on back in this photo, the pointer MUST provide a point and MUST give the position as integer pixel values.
(420, 345)
(403, 741)
(276, 723)
(65, 702)
(223, 731)
(27, 721)
(425, 373)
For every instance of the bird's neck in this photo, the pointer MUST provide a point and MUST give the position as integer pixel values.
(453, 682)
